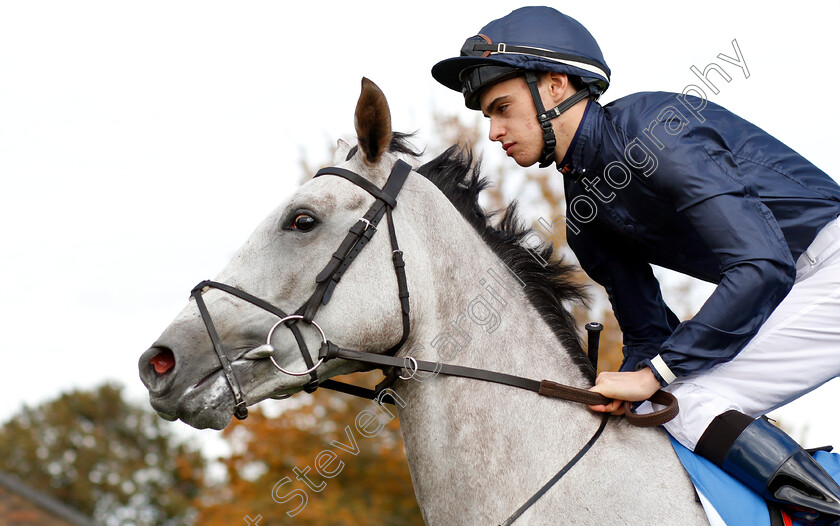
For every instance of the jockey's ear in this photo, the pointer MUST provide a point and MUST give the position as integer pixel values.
(557, 87)
(373, 122)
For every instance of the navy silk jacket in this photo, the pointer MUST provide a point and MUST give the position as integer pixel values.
(657, 178)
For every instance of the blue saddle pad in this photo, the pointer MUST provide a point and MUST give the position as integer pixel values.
(735, 503)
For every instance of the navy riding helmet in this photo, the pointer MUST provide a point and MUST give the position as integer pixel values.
(527, 41)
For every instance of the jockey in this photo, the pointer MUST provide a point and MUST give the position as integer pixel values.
(677, 181)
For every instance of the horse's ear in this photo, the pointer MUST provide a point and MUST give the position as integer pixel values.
(373, 122)
(342, 150)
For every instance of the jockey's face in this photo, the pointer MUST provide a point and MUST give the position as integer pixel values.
(513, 120)
(513, 116)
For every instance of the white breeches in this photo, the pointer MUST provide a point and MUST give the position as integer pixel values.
(795, 351)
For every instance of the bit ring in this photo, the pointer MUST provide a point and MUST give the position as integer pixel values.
(271, 332)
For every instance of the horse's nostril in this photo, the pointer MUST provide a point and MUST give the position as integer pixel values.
(163, 361)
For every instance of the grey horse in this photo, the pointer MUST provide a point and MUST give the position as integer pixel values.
(476, 450)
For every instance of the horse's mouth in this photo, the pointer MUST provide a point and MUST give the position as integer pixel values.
(235, 359)
(209, 375)
(162, 410)
(208, 404)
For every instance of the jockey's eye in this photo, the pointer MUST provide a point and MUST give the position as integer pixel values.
(303, 222)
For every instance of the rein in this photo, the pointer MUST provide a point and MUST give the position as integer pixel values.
(543, 387)
(357, 237)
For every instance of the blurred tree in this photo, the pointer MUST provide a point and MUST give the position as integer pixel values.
(109, 459)
(369, 483)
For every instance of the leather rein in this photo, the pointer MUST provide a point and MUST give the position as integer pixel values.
(357, 237)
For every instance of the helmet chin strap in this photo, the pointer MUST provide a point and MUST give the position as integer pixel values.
(544, 117)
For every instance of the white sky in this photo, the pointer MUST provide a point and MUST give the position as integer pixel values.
(140, 142)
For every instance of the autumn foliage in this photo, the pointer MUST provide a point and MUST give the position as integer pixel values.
(105, 457)
(369, 481)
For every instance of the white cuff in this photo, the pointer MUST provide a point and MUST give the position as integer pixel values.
(662, 368)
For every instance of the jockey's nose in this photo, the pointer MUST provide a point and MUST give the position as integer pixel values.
(496, 130)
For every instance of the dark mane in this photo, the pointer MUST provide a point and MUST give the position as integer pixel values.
(548, 287)
(399, 144)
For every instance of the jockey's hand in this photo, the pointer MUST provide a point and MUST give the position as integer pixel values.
(631, 386)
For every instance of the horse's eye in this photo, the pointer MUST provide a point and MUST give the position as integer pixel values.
(303, 222)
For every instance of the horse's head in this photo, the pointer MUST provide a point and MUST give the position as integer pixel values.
(287, 263)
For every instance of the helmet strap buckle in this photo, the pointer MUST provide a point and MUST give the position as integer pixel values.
(544, 117)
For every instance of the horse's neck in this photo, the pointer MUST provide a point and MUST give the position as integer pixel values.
(471, 443)
(481, 317)
(477, 450)
(475, 311)
(484, 319)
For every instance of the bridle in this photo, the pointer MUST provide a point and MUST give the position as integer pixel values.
(357, 237)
